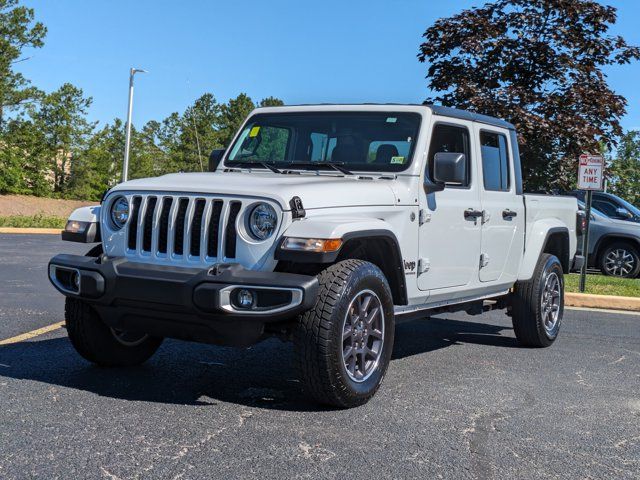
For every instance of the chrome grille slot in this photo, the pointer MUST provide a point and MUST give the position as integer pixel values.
(214, 229)
(231, 234)
(147, 228)
(163, 232)
(196, 227)
(179, 226)
(133, 223)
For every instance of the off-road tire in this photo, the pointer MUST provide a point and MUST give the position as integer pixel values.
(527, 309)
(318, 336)
(97, 343)
(626, 247)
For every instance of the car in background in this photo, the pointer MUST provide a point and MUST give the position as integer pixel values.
(614, 245)
(610, 205)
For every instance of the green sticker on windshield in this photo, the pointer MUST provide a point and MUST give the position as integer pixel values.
(397, 160)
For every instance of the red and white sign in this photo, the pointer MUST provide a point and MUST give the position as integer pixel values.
(591, 172)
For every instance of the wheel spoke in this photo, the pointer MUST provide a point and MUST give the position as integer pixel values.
(375, 333)
(373, 314)
(347, 332)
(364, 305)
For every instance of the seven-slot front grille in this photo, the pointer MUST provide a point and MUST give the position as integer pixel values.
(180, 226)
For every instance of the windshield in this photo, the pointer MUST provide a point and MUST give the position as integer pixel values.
(369, 141)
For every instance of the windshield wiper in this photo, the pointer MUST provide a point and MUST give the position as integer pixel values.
(336, 166)
(270, 166)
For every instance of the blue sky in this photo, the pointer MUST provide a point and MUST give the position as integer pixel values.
(303, 52)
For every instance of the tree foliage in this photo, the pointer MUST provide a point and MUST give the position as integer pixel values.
(624, 168)
(17, 32)
(537, 64)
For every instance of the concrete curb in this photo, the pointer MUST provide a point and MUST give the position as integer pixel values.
(610, 302)
(37, 231)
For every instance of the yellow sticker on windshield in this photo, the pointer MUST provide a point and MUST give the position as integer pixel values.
(397, 160)
(254, 132)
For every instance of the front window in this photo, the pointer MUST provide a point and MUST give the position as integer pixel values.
(365, 141)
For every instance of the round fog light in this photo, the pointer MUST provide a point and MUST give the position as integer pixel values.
(245, 298)
(76, 280)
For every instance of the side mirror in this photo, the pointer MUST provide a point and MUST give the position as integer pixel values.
(449, 167)
(623, 213)
(214, 159)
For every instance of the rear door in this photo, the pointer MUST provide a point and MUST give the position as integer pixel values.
(503, 209)
(449, 238)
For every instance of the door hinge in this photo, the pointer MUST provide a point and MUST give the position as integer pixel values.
(423, 217)
(423, 265)
(484, 260)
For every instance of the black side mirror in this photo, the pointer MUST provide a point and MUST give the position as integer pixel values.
(214, 159)
(623, 213)
(449, 167)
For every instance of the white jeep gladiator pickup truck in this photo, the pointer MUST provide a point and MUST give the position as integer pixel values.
(323, 225)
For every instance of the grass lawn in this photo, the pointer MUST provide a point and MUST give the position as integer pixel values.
(33, 221)
(601, 285)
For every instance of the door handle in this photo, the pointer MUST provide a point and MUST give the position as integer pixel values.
(508, 214)
(471, 213)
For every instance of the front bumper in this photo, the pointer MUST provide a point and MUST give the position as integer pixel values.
(180, 302)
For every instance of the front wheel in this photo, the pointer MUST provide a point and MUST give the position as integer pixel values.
(343, 345)
(538, 304)
(100, 344)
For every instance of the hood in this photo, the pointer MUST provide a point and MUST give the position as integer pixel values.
(625, 224)
(316, 191)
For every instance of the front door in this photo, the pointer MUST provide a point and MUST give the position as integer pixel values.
(503, 222)
(449, 237)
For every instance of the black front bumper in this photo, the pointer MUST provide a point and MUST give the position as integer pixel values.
(180, 302)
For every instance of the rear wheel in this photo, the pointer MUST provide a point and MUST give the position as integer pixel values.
(344, 344)
(620, 259)
(538, 304)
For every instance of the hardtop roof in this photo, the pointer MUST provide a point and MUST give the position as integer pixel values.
(436, 109)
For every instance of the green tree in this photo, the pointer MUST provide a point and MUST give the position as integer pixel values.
(233, 113)
(17, 32)
(537, 64)
(61, 117)
(98, 166)
(624, 168)
(23, 162)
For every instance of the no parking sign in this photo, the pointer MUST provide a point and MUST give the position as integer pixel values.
(591, 172)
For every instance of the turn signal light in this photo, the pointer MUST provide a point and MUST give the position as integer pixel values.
(312, 244)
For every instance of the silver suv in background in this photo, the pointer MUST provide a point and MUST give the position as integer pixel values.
(614, 245)
(611, 205)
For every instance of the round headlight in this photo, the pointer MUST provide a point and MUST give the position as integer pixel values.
(119, 212)
(262, 221)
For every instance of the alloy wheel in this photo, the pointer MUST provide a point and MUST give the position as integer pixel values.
(363, 335)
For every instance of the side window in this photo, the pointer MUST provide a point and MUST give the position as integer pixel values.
(449, 138)
(495, 161)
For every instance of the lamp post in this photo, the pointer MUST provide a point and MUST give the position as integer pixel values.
(125, 164)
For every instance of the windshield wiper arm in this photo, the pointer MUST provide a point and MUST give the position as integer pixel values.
(336, 166)
(269, 166)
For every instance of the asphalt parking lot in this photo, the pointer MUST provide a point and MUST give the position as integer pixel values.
(461, 400)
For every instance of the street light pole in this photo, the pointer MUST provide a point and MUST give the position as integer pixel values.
(127, 144)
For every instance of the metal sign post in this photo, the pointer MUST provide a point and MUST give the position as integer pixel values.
(590, 178)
